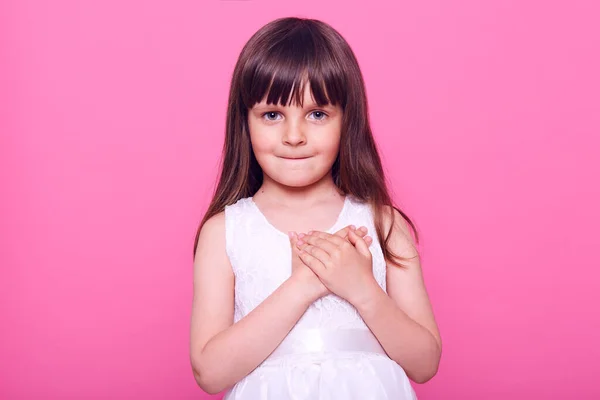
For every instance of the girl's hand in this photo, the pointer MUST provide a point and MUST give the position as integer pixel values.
(314, 286)
(345, 267)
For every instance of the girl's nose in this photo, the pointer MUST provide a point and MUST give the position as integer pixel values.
(294, 137)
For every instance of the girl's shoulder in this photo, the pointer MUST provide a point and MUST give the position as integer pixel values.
(213, 227)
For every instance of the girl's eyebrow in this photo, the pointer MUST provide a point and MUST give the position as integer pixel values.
(311, 105)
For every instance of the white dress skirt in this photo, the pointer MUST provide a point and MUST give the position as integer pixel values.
(326, 365)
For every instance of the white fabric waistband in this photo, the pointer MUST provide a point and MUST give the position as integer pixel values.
(321, 340)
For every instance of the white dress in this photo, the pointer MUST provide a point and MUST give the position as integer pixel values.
(330, 353)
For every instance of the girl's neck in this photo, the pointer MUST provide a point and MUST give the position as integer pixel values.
(272, 192)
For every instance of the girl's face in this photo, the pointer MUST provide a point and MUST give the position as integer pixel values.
(295, 146)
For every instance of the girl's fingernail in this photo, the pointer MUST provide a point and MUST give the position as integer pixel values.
(300, 243)
(310, 232)
(291, 234)
(352, 227)
(301, 235)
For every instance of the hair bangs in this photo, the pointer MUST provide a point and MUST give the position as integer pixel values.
(281, 75)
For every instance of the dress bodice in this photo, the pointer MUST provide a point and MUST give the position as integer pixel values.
(260, 256)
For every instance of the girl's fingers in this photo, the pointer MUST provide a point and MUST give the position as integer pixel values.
(293, 238)
(317, 253)
(338, 241)
(352, 238)
(362, 231)
(327, 245)
(343, 233)
(313, 263)
(359, 243)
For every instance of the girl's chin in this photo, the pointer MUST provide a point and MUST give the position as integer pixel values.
(297, 179)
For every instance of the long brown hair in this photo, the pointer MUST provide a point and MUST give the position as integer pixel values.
(277, 61)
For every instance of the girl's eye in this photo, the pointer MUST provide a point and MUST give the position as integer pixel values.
(270, 113)
(319, 114)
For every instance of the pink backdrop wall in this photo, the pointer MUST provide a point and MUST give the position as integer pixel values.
(112, 117)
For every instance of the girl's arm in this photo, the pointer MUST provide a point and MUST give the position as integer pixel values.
(222, 353)
(403, 319)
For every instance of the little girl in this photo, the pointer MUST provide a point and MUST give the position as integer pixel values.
(324, 312)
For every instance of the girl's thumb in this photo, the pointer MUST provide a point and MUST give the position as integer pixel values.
(359, 243)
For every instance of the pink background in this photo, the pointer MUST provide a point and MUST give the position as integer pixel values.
(112, 120)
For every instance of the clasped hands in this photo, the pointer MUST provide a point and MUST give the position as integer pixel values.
(339, 263)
